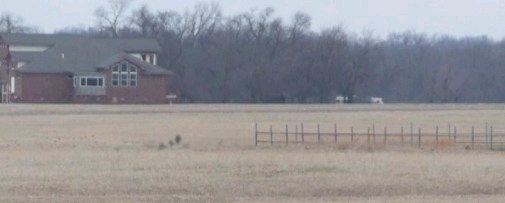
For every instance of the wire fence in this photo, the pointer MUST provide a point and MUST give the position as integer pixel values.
(487, 137)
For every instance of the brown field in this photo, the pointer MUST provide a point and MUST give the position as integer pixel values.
(69, 153)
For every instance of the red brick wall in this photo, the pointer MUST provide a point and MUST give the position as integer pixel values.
(58, 88)
(151, 89)
(43, 88)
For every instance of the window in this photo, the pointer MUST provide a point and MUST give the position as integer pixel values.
(151, 58)
(133, 76)
(124, 79)
(115, 76)
(124, 67)
(91, 81)
(124, 75)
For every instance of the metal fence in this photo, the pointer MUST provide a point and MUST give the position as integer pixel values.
(487, 138)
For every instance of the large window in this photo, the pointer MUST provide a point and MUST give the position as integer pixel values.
(89, 81)
(115, 76)
(124, 75)
(133, 76)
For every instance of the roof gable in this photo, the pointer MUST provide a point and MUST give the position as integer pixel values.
(147, 68)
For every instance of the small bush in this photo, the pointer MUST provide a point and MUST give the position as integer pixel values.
(162, 146)
(343, 147)
(178, 139)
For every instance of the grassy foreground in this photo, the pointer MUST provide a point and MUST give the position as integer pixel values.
(67, 153)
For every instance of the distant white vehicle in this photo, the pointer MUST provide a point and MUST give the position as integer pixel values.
(372, 100)
(376, 100)
(341, 99)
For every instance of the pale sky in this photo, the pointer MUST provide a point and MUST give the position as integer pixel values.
(454, 17)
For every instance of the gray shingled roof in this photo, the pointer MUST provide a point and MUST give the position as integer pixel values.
(81, 54)
(148, 68)
(24, 56)
(29, 39)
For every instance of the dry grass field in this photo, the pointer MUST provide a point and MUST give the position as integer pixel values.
(69, 153)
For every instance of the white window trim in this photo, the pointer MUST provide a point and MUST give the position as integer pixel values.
(13, 84)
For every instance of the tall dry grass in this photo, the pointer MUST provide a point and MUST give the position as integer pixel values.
(110, 154)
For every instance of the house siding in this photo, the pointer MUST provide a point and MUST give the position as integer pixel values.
(151, 89)
(58, 88)
(43, 88)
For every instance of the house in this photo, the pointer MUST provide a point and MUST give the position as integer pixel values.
(44, 68)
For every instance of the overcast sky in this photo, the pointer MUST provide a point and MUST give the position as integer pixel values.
(453, 17)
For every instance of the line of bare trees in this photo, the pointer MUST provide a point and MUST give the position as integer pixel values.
(258, 57)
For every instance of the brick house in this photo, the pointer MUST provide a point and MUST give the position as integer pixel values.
(45, 68)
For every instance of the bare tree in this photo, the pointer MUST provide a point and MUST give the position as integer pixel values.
(15, 24)
(110, 18)
(255, 57)
(328, 60)
(300, 24)
(144, 21)
(172, 30)
(266, 34)
(358, 66)
(202, 21)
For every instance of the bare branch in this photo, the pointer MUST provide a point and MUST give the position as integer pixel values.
(110, 18)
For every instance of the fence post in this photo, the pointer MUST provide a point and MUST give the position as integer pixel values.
(335, 129)
(411, 134)
(271, 136)
(449, 130)
(368, 135)
(487, 138)
(473, 136)
(373, 133)
(318, 134)
(303, 135)
(402, 135)
(287, 137)
(385, 136)
(256, 134)
(296, 133)
(419, 138)
(455, 134)
(491, 137)
(436, 137)
(352, 136)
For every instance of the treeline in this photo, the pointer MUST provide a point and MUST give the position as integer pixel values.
(258, 57)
